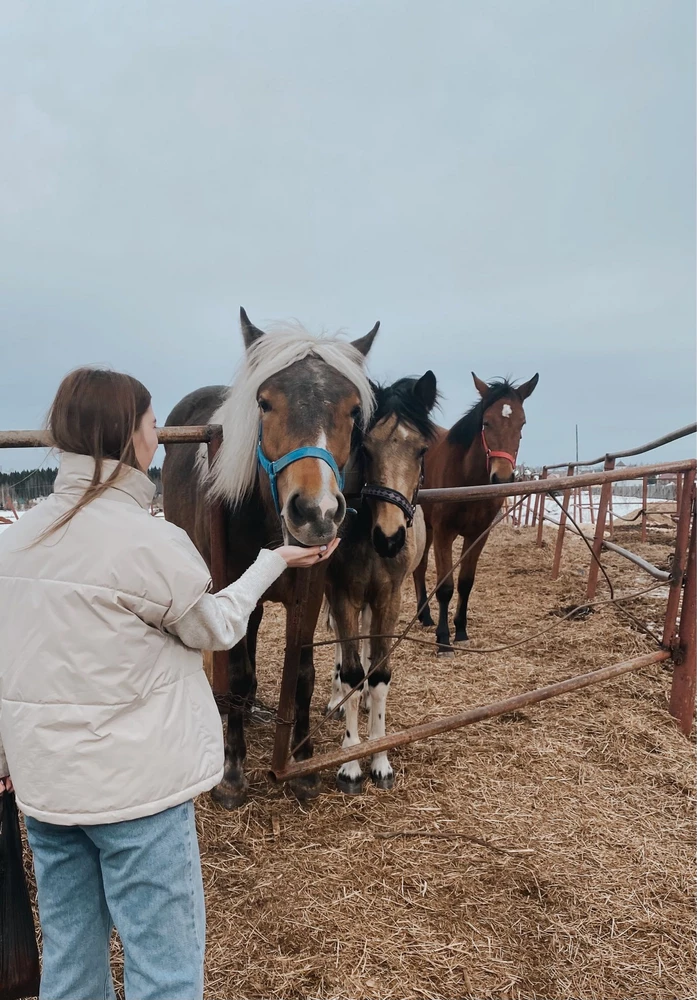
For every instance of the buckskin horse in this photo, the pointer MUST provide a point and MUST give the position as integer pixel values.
(288, 421)
(382, 544)
(481, 448)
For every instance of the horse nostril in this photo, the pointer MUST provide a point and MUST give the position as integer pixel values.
(297, 509)
(340, 512)
(388, 546)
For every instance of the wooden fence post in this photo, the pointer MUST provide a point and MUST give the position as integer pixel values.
(644, 501)
(540, 511)
(682, 692)
(562, 527)
(219, 573)
(605, 497)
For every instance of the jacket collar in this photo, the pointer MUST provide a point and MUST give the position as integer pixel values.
(76, 471)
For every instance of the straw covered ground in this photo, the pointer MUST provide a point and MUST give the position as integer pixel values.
(586, 888)
(583, 886)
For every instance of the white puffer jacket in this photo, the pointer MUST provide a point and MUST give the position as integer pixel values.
(105, 715)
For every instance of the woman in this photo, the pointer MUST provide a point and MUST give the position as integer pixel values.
(107, 719)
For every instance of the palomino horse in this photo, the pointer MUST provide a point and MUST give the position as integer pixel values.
(480, 448)
(382, 544)
(287, 421)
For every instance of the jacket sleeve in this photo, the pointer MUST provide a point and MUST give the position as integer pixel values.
(219, 621)
(3, 759)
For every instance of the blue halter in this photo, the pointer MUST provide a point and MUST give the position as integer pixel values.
(272, 469)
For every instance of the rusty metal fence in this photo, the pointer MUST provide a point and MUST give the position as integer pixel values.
(678, 640)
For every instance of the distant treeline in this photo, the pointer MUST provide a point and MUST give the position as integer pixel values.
(39, 482)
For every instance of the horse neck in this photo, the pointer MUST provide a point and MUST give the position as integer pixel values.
(466, 466)
(254, 519)
(475, 464)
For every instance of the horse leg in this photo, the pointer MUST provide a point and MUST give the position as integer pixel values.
(385, 617)
(335, 696)
(346, 616)
(252, 712)
(307, 787)
(366, 622)
(443, 548)
(232, 790)
(420, 584)
(465, 581)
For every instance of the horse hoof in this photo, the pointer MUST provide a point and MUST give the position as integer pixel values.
(461, 639)
(231, 796)
(349, 786)
(427, 621)
(305, 788)
(446, 652)
(384, 781)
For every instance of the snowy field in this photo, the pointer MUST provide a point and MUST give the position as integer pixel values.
(622, 507)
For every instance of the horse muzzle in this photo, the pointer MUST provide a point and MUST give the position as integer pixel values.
(388, 546)
(311, 520)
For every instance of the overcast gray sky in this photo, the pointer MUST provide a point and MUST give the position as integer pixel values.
(508, 185)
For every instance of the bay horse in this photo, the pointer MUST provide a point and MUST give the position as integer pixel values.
(288, 421)
(481, 448)
(382, 543)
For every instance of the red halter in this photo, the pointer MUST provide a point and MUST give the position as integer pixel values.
(496, 454)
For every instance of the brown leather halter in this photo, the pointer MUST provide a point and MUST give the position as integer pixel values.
(496, 454)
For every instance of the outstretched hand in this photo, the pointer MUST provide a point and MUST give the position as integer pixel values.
(297, 557)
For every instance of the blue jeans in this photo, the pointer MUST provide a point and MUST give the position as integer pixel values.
(142, 876)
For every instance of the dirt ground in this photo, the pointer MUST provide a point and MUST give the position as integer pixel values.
(584, 887)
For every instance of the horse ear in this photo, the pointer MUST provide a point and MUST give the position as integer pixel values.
(250, 333)
(426, 390)
(482, 387)
(363, 344)
(527, 388)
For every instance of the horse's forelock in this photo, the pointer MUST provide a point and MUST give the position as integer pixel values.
(235, 468)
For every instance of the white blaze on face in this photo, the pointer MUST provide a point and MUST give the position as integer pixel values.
(506, 411)
(328, 502)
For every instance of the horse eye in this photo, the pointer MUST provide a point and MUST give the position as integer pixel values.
(485, 423)
(422, 452)
(355, 413)
(264, 405)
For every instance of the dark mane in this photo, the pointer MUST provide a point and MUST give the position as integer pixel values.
(469, 427)
(399, 399)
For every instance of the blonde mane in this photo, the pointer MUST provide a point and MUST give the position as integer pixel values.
(235, 468)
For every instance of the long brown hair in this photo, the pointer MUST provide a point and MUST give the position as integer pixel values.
(96, 412)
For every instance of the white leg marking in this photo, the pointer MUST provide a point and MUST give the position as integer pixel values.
(380, 765)
(366, 621)
(352, 769)
(336, 694)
